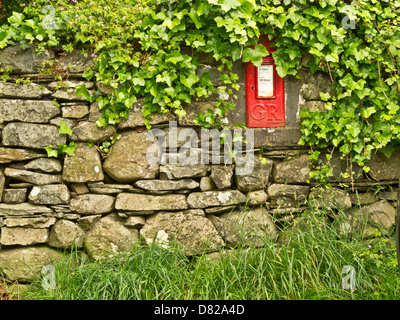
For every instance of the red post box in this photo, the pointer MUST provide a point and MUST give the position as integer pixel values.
(265, 93)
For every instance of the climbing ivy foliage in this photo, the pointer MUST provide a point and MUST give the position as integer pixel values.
(148, 48)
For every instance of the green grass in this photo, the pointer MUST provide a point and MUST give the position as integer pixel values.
(308, 266)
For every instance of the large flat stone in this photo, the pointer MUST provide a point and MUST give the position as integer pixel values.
(27, 110)
(66, 234)
(32, 135)
(127, 159)
(24, 264)
(215, 198)
(83, 166)
(33, 177)
(293, 171)
(190, 229)
(87, 131)
(14, 195)
(160, 185)
(283, 195)
(23, 236)
(26, 91)
(50, 194)
(92, 204)
(24, 60)
(35, 222)
(253, 227)
(22, 209)
(383, 168)
(257, 175)
(109, 237)
(365, 220)
(144, 202)
(8, 155)
(75, 111)
(44, 164)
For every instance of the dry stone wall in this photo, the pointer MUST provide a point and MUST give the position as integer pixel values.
(102, 204)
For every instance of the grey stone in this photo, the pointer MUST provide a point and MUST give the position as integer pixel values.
(22, 209)
(383, 168)
(206, 184)
(330, 198)
(8, 155)
(279, 137)
(190, 229)
(25, 264)
(32, 135)
(2, 182)
(66, 234)
(109, 237)
(94, 112)
(20, 185)
(365, 220)
(136, 119)
(282, 195)
(215, 198)
(87, 222)
(253, 227)
(293, 171)
(32, 177)
(127, 160)
(135, 222)
(68, 91)
(363, 198)
(83, 166)
(79, 188)
(26, 91)
(314, 106)
(92, 204)
(222, 176)
(57, 122)
(36, 222)
(256, 197)
(75, 61)
(313, 84)
(145, 202)
(108, 188)
(50, 194)
(14, 195)
(23, 236)
(180, 137)
(218, 210)
(179, 171)
(45, 165)
(301, 226)
(158, 185)
(192, 110)
(24, 60)
(75, 111)
(89, 131)
(257, 178)
(27, 110)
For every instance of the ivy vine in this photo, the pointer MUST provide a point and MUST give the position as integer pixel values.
(138, 51)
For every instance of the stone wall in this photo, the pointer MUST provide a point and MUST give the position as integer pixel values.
(102, 203)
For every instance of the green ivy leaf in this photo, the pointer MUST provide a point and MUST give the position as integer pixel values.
(255, 55)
